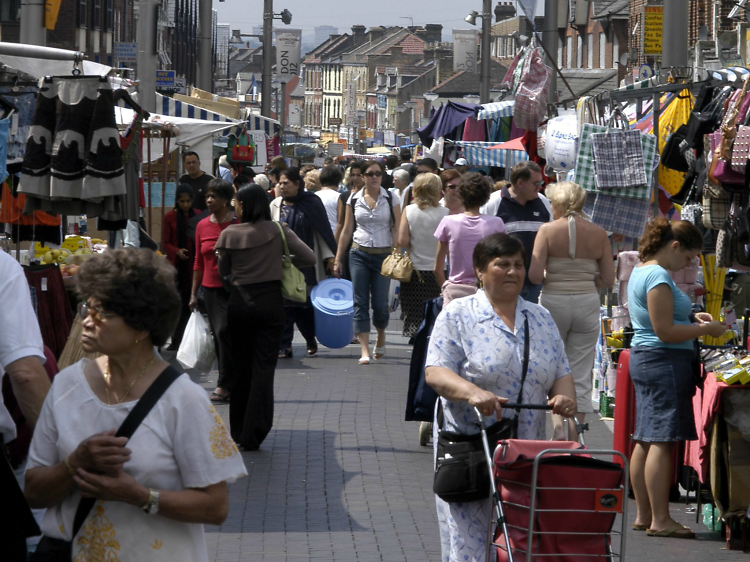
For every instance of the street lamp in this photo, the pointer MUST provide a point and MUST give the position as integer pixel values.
(472, 99)
(484, 73)
(430, 96)
(410, 105)
(268, 16)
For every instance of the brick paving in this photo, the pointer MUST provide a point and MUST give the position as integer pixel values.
(342, 477)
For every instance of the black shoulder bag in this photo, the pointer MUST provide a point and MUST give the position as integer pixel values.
(461, 472)
(58, 550)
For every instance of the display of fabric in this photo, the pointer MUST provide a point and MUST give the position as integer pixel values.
(53, 307)
(25, 102)
(618, 159)
(474, 130)
(73, 163)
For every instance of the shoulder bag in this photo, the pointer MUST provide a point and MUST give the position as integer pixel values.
(293, 286)
(58, 550)
(398, 266)
(461, 472)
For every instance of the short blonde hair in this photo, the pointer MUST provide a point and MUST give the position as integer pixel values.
(567, 196)
(427, 190)
(312, 180)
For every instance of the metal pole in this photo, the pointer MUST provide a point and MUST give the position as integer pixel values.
(146, 40)
(205, 32)
(33, 31)
(282, 120)
(484, 81)
(39, 52)
(674, 49)
(549, 40)
(265, 86)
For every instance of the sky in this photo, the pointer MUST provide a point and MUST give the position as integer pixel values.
(307, 14)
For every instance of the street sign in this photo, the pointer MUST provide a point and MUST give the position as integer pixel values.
(126, 52)
(334, 121)
(653, 18)
(165, 78)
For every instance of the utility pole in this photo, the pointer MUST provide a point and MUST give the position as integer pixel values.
(205, 52)
(146, 39)
(33, 31)
(550, 39)
(484, 80)
(265, 86)
(674, 37)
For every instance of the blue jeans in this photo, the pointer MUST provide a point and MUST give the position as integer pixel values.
(531, 292)
(369, 285)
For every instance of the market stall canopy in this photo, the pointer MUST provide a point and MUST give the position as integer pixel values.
(481, 154)
(496, 110)
(449, 116)
(514, 144)
(38, 68)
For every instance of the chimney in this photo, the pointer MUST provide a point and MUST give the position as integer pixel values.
(396, 51)
(433, 32)
(358, 33)
(504, 11)
(376, 33)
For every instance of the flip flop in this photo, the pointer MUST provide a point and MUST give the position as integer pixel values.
(639, 527)
(379, 352)
(217, 398)
(675, 531)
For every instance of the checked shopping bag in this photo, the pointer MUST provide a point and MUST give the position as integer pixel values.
(618, 159)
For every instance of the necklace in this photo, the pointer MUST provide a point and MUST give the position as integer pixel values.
(106, 376)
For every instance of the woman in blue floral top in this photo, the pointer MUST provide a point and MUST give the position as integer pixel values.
(475, 359)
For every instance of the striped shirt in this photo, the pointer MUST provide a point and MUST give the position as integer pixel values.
(373, 225)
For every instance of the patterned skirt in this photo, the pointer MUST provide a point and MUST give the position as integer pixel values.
(413, 296)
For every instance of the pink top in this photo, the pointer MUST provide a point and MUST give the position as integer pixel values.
(206, 235)
(462, 233)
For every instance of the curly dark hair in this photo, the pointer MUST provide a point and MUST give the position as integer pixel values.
(473, 190)
(661, 232)
(138, 285)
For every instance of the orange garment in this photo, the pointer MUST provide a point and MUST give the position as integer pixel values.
(11, 209)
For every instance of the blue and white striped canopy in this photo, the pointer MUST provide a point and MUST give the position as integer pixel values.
(175, 108)
(479, 154)
(496, 110)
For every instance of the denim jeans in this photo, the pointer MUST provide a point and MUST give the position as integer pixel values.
(531, 292)
(369, 287)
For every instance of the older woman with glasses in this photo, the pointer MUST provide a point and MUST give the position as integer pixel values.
(156, 490)
(371, 225)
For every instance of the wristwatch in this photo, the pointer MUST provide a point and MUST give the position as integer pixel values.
(152, 505)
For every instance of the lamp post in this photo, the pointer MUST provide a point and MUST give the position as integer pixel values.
(265, 88)
(410, 105)
(361, 113)
(484, 69)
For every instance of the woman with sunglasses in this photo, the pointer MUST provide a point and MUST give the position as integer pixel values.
(371, 225)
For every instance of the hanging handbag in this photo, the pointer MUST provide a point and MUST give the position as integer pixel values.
(461, 472)
(715, 210)
(707, 120)
(672, 156)
(59, 550)
(293, 285)
(741, 148)
(720, 171)
(398, 266)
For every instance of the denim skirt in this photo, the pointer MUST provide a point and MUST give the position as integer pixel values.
(664, 390)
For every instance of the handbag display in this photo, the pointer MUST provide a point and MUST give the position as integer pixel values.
(672, 156)
(741, 148)
(58, 550)
(461, 472)
(715, 210)
(293, 285)
(707, 120)
(720, 171)
(398, 266)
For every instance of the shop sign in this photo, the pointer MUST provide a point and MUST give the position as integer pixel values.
(126, 52)
(334, 121)
(382, 101)
(165, 78)
(653, 19)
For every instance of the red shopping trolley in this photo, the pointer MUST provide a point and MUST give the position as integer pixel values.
(555, 501)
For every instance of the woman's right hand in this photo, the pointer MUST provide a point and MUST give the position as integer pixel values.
(337, 270)
(101, 453)
(182, 253)
(487, 402)
(715, 329)
(193, 304)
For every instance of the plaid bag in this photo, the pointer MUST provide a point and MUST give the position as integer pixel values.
(621, 215)
(532, 93)
(618, 159)
(715, 210)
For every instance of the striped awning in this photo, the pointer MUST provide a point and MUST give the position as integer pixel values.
(479, 154)
(175, 108)
(496, 110)
(640, 85)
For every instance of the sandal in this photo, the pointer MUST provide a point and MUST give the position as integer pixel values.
(286, 353)
(637, 527)
(675, 531)
(364, 360)
(379, 352)
(217, 398)
(312, 350)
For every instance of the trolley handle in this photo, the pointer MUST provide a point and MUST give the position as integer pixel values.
(514, 406)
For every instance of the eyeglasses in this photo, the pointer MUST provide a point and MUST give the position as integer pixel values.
(95, 311)
(374, 174)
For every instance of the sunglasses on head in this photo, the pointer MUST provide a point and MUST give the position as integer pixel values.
(374, 174)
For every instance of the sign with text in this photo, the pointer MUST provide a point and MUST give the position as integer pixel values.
(51, 11)
(288, 53)
(350, 102)
(465, 43)
(334, 121)
(126, 52)
(335, 149)
(653, 19)
(165, 78)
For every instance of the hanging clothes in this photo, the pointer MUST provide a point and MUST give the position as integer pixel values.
(25, 101)
(73, 163)
(53, 306)
(474, 130)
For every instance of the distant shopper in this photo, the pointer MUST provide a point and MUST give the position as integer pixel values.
(462, 166)
(195, 178)
(225, 169)
(330, 178)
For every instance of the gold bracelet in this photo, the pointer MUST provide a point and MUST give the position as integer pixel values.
(148, 501)
(69, 468)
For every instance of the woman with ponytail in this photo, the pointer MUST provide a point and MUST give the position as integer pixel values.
(661, 362)
(180, 250)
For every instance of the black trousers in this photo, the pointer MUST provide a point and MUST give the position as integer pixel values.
(217, 303)
(256, 322)
(304, 318)
(179, 330)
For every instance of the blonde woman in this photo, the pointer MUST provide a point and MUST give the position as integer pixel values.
(417, 233)
(573, 259)
(312, 180)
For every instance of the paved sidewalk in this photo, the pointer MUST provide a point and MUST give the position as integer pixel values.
(342, 477)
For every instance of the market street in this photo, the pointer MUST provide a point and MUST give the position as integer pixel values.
(341, 477)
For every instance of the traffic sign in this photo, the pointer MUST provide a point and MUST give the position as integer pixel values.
(165, 78)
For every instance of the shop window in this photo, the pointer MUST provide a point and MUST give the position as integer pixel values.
(82, 13)
(10, 11)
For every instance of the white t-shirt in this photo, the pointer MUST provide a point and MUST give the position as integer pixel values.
(422, 242)
(182, 443)
(19, 329)
(330, 200)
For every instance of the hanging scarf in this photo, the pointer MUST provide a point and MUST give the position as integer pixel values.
(306, 215)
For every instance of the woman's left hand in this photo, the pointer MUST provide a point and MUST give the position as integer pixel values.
(120, 488)
(703, 317)
(563, 406)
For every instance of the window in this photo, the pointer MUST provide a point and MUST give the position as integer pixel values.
(615, 49)
(10, 11)
(560, 49)
(579, 53)
(83, 11)
(96, 14)
(109, 15)
(602, 50)
(568, 51)
(590, 50)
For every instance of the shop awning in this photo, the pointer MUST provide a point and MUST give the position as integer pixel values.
(496, 110)
(480, 154)
(175, 108)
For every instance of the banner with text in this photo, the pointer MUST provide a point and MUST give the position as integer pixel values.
(350, 103)
(288, 53)
(465, 43)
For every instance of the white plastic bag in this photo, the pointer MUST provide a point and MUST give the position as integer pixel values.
(197, 347)
(394, 295)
